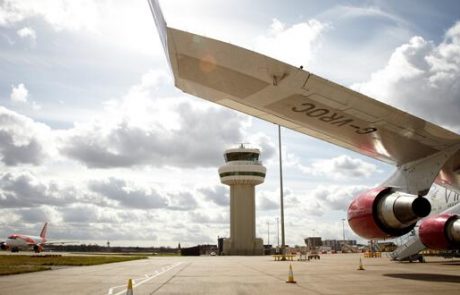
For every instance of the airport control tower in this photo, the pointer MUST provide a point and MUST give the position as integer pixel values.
(242, 172)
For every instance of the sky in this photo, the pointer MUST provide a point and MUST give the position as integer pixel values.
(96, 140)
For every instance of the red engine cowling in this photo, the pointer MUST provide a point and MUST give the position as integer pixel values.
(440, 232)
(385, 213)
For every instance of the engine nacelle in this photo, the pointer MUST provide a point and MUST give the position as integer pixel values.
(3, 246)
(385, 213)
(440, 232)
(38, 248)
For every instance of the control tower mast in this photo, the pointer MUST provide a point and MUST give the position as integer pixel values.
(242, 172)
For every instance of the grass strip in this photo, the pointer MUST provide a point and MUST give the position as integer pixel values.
(15, 264)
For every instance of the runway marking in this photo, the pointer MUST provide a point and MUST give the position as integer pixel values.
(142, 280)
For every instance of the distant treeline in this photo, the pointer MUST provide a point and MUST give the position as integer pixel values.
(97, 248)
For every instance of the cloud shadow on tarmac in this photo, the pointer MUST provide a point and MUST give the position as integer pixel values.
(425, 277)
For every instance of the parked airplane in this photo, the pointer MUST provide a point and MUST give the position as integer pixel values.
(424, 154)
(16, 242)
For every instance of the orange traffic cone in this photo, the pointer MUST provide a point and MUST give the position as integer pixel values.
(360, 267)
(290, 276)
(129, 291)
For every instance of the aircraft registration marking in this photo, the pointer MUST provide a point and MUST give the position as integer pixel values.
(309, 112)
(325, 115)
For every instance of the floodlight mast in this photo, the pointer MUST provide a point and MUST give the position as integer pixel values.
(278, 232)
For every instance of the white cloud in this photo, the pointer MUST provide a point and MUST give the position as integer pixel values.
(264, 143)
(314, 208)
(206, 217)
(61, 14)
(219, 195)
(19, 96)
(183, 201)
(19, 93)
(183, 133)
(85, 222)
(23, 141)
(25, 190)
(119, 23)
(266, 203)
(325, 198)
(340, 167)
(80, 213)
(421, 77)
(27, 32)
(336, 197)
(196, 143)
(128, 195)
(194, 233)
(39, 215)
(292, 44)
(9, 14)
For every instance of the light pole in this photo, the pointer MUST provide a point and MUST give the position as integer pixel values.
(278, 231)
(283, 244)
(343, 229)
(268, 232)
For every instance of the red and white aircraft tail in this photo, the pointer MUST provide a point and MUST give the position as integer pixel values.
(43, 232)
(290, 96)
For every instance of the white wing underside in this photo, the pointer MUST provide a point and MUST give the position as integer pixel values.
(294, 98)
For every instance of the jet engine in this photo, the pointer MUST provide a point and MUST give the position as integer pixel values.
(3, 246)
(441, 231)
(385, 213)
(38, 248)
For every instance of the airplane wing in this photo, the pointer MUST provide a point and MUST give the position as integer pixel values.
(60, 242)
(297, 99)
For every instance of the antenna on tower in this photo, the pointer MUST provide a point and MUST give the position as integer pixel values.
(242, 145)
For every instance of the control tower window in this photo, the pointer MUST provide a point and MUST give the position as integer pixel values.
(241, 157)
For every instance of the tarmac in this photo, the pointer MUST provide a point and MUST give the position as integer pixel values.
(332, 274)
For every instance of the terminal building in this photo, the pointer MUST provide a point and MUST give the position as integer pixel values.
(242, 171)
(336, 245)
